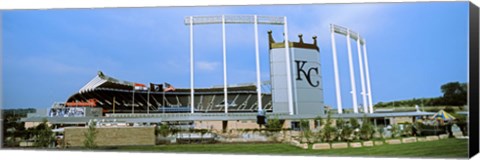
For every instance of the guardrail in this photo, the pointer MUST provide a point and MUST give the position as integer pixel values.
(144, 115)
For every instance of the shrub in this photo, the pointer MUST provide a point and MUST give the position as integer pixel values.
(44, 135)
(274, 124)
(339, 123)
(381, 131)
(354, 126)
(367, 129)
(328, 131)
(407, 130)
(90, 136)
(164, 130)
(319, 121)
(395, 131)
(346, 132)
(305, 130)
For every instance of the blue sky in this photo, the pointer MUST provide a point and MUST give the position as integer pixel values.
(48, 55)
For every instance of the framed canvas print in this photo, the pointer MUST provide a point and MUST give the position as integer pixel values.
(394, 80)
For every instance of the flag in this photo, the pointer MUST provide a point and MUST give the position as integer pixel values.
(139, 86)
(156, 87)
(168, 87)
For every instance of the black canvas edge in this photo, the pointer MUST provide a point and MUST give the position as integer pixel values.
(473, 89)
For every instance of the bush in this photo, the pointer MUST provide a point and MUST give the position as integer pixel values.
(347, 134)
(328, 131)
(354, 126)
(304, 125)
(407, 130)
(381, 131)
(339, 123)
(367, 129)
(44, 135)
(164, 130)
(305, 130)
(274, 124)
(90, 136)
(395, 131)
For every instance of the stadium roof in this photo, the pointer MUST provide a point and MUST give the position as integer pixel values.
(103, 81)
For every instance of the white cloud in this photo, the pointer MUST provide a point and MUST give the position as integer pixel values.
(207, 66)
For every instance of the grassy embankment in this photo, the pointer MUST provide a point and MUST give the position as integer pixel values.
(446, 148)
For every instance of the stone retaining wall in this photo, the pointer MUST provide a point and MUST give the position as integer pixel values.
(111, 136)
(323, 146)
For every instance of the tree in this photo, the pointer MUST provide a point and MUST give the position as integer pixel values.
(354, 126)
(44, 135)
(305, 130)
(304, 125)
(12, 129)
(381, 131)
(319, 121)
(407, 130)
(318, 134)
(274, 124)
(90, 136)
(395, 131)
(367, 129)
(344, 130)
(455, 93)
(164, 130)
(328, 129)
(339, 123)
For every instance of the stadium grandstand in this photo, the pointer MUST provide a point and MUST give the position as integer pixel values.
(119, 96)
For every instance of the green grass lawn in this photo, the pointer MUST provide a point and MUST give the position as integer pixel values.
(447, 148)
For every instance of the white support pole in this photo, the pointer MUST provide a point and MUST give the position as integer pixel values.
(369, 89)
(362, 77)
(164, 102)
(113, 104)
(191, 68)
(294, 85)
(148, 101)
(257, 61)
(289, 67)
(335, 68)
(352, 78)
(224, 65)
(133, 100)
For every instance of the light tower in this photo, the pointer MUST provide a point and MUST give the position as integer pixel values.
(364, 76)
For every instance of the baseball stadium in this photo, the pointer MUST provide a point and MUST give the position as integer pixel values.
(293, 93)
